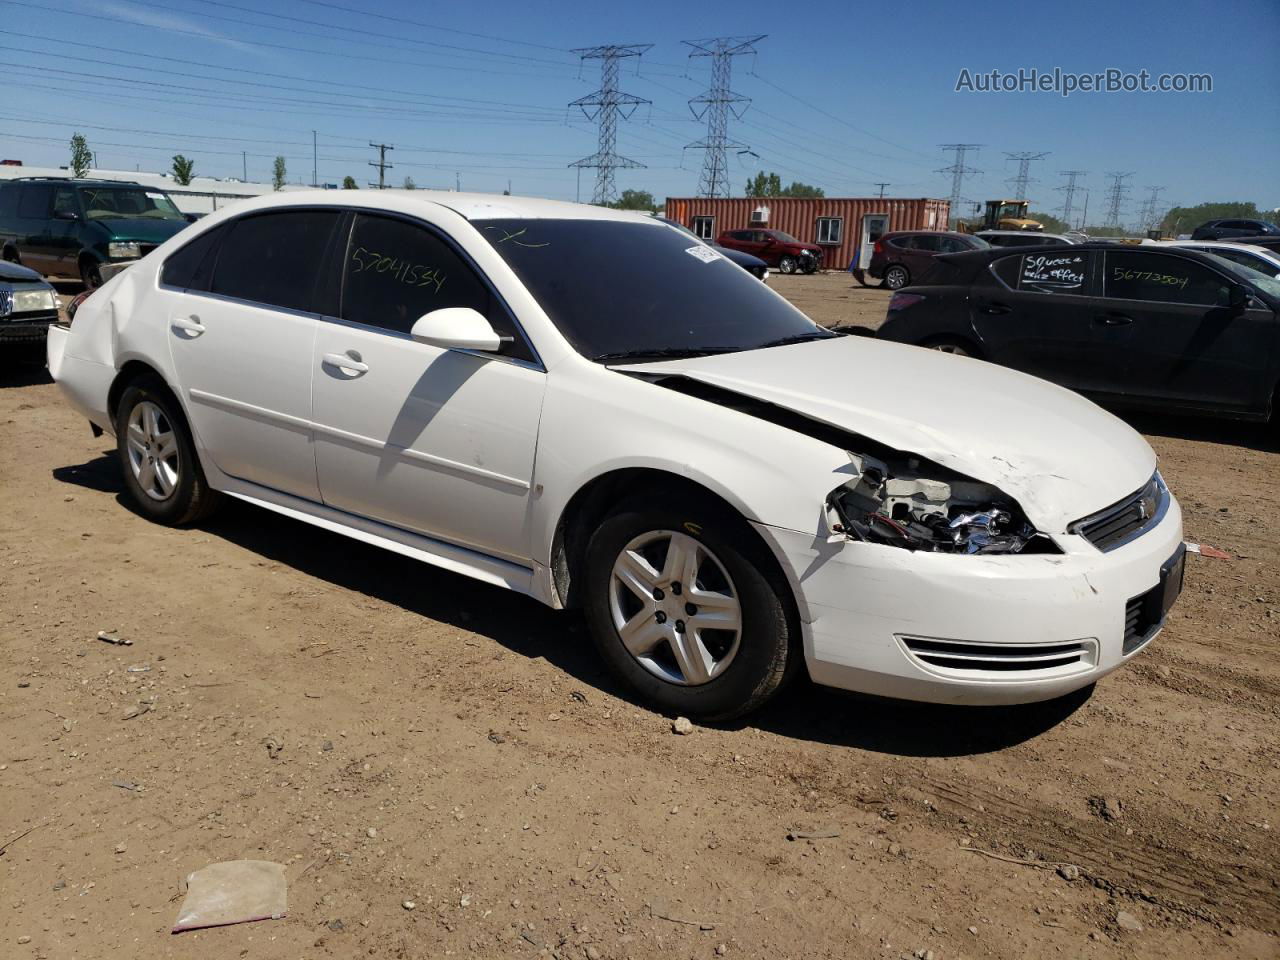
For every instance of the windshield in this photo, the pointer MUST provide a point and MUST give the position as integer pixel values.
(127, 203)
(1268, 285)
(637, 291)
(781, 236)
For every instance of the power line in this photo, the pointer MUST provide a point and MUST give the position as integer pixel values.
(605, 106)
(1115, 197)
(1069, 191)
(882, 186)
(381, 164)
(959, 170)
(716, 104)
(1023, 177)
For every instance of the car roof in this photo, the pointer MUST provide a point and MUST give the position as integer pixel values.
(78, 181)
(472, 206)
(1019, 233)
(927, 233)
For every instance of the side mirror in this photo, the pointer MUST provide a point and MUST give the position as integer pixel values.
(769, 241)
(1239, 298)
(456, 328)
(65, 215)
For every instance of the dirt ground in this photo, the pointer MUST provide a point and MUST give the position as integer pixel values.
(398, 735)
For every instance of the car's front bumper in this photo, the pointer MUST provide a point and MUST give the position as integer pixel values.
(25, 329)
(970, 629)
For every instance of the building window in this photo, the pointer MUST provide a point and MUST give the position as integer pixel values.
(704, 227)
(830, 229)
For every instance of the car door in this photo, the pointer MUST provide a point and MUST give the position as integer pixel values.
(1171, 335)
(1035, 312)
(433, 440)
(242, 336)
(34, 240)
(64, 226)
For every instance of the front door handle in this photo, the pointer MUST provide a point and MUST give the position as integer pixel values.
(344, 361)
(1114, 319)
(995, 309)
(189, 325)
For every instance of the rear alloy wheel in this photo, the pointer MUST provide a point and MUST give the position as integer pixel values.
(896, 277)
(161, 471)
(787, 265)
(90, 273)
(952, 345)
(685, 609)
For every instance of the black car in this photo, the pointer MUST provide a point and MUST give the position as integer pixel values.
(1130, 325)
(753, 265)
(27, 304)
(1228, 228)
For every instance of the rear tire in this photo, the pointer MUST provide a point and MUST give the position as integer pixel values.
(638, 571)
(90, 273)
(896, 277)
(161, 470)
(11, 255)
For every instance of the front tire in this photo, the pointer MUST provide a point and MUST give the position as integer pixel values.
(158, 458)
(896, 277)
(90, 273)
(787, 265)
(687, 611)
(953, 345)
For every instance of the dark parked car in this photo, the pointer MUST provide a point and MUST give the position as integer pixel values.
(1168, 329)
(901, 257)
(27, 304)
(1024, 238)
(774, 247)
(753, 265)
(1222, 229)
(69, 228)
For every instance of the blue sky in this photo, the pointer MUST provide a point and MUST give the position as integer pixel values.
(843, 95)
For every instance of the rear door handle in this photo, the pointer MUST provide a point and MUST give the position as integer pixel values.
(995, 309)
(345, 362)
(1114, 319)
(191, 325)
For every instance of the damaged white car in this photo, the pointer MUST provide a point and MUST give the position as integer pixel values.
(579, 404)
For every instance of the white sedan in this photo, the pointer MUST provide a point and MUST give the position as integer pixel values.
(582, 405)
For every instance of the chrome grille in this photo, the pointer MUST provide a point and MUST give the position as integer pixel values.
(1121, 522)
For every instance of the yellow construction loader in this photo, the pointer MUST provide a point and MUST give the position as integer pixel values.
(1002, 215)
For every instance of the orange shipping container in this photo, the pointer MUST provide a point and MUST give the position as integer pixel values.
(835, 224)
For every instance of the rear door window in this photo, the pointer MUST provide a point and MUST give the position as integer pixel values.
(397, 271)
(1131, 275)
(191, 268)
(33, 204)
(275, 258)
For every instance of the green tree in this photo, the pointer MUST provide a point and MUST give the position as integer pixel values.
(770, 185)
(349, 183)
(635, 200)
(277, 173)
(183, 170)
(409, 184)
(81, 157)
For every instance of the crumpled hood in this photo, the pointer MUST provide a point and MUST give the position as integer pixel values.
(1059, 455)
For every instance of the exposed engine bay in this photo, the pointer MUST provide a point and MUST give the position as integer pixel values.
(896, 505)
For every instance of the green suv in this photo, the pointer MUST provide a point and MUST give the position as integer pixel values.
(70, 228)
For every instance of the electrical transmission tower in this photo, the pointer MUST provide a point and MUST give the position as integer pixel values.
(1115, 197)
(381, 164)
(605, 106)
(1023, 179)
(1069, 189)
(959, 171)
(716, 105)
(1147, 218)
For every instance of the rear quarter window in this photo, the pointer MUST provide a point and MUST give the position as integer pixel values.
(191, 266)
(8, 200)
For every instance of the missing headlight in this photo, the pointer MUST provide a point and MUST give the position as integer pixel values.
(925, 507)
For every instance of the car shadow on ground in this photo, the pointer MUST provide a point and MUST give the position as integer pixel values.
(23, 365)
(526, 627)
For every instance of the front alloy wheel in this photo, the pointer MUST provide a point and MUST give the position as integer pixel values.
(675, 607)
(787, 265)
(687, 606)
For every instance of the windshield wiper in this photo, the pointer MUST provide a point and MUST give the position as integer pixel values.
(798, 338)
(662, 353)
